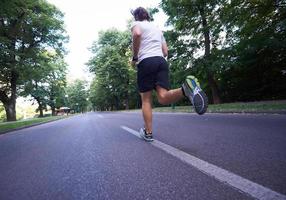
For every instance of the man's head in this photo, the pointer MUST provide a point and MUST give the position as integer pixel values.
(140, 14)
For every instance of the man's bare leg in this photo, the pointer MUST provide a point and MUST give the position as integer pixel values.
(146, 98)
(167, 97)
(164, 97)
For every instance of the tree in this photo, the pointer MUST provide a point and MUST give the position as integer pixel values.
(243, 43)
(77, 95)
(115, 80)
(36, 85)
(196, 21)
(56, 80)
(48, 83)
(256, 33)
(38, 91)
(27, 29)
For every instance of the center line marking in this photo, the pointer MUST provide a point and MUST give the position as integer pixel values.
(226, 177)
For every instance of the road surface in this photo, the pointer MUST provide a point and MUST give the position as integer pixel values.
(98, 156)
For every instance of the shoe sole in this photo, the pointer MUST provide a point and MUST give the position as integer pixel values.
(148, 140)
(200, 102)
(198, 99)
(142, 135)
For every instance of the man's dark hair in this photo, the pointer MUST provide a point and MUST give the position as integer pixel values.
(141, 14)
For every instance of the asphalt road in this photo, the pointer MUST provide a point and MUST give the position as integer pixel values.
(94, 156)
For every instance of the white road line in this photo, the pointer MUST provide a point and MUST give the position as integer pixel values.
(100, 116)
(253, 189)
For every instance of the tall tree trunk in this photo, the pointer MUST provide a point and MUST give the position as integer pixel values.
(214, 89)
(127, 103)
(38, 99)
(40, 106)
(116, 103)
(10, 102)
(53, 105)
(41, 110)
(53, 111)
(211, 80)
(10, 108)
(139, 101)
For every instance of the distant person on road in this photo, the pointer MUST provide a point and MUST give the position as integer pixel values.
(149, 52)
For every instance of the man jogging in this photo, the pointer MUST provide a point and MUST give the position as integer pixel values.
(149, 50)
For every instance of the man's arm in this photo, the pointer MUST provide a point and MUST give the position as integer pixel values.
(164, 46)
(136, 37)
(165, 49)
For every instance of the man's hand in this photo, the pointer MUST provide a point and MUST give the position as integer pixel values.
(134, 61)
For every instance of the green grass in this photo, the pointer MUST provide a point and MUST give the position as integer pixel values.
(5, 126)
(241, 107)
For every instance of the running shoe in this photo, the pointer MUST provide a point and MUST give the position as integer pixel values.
(194, 93)
(146, 136)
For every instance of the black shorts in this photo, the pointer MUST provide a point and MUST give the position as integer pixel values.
(151, 72)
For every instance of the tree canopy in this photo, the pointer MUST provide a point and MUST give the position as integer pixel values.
(256, 33)
(77, 95)
(237, 49)
(48, 84)
(114, 79)
(243, 45)
(28, 29)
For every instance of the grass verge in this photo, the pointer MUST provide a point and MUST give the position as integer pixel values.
(240, 107)
(7, 126)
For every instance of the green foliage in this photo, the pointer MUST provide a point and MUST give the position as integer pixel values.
(236, 49)
(257, 33)
(2, 113)
(152, 12)
(114, 85)
(28, 29)
(57, 83)
(246, 54)
(197, 29)
(48, 83)
(77, 95)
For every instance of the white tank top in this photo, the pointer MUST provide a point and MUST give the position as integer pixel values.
(151, 40)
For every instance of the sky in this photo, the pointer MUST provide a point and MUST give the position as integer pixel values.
(84, 19)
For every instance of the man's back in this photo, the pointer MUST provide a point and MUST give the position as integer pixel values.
(151, 40)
